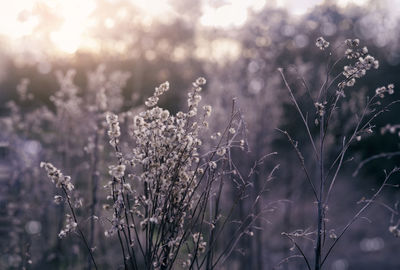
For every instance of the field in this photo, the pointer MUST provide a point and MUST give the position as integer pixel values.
(200, 135)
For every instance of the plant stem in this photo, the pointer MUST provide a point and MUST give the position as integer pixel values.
(318, 247)
(77, 226)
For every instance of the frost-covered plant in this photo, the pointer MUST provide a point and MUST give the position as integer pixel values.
(328, 101)
(165, 187)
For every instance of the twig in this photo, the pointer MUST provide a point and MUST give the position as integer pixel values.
(77, 226)
(356, 216)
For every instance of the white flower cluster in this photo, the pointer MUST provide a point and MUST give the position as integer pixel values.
(58, 199)
(70, 226)
(221, 151)
(57, 176)
(198, 240)
(165, 162)
(395, 230)
(352, 42)
(114, 130)
(117, 171)
(195, 97)
(320, 108)
(166, 149)
(382, 90)
(207, 109)
(199, 244)
(117, 221)
(153, 100)
(353, 51)
(321, 43)
(357, 70)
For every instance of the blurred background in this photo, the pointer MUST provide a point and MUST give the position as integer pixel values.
(57, 56)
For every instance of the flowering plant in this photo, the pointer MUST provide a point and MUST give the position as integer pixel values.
(160, 189)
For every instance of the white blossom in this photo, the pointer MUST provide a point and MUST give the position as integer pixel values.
(321, 43)
(57, 176)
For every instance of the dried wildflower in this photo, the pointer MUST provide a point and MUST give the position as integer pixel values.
(166, 148)
(332, 234)
(350, 54)
(153, 220)
(364, 50)
(117, 171)
(321, 43)
(320, 108)
(128, 188)
(192, 113)
(352, 42)
(198, 240)
(357, 70)
(114, 130)
(380, 91)
(213, 165)
(78, 203)
(164, 115)
(164, 87)
(207, 109)
(201, 81)
(221, 151)
(394, 230)
(57, 177)
(58, 199)
(351, 82)
(153, 100)
(143, 224)
(193, 96)
(390, 89)
(70, 226)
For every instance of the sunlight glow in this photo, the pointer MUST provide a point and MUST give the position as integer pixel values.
(74, 14)
(16, 20)
(153, 8)
(224, 16)
(344, 3)
(67, 24)
(298, 7)
(232, 13)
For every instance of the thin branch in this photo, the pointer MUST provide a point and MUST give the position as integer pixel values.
(301, 159)
(356, 216)
(299, 111)
(299, 249)
(79, 230)
(335, 176)
(381, 155)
